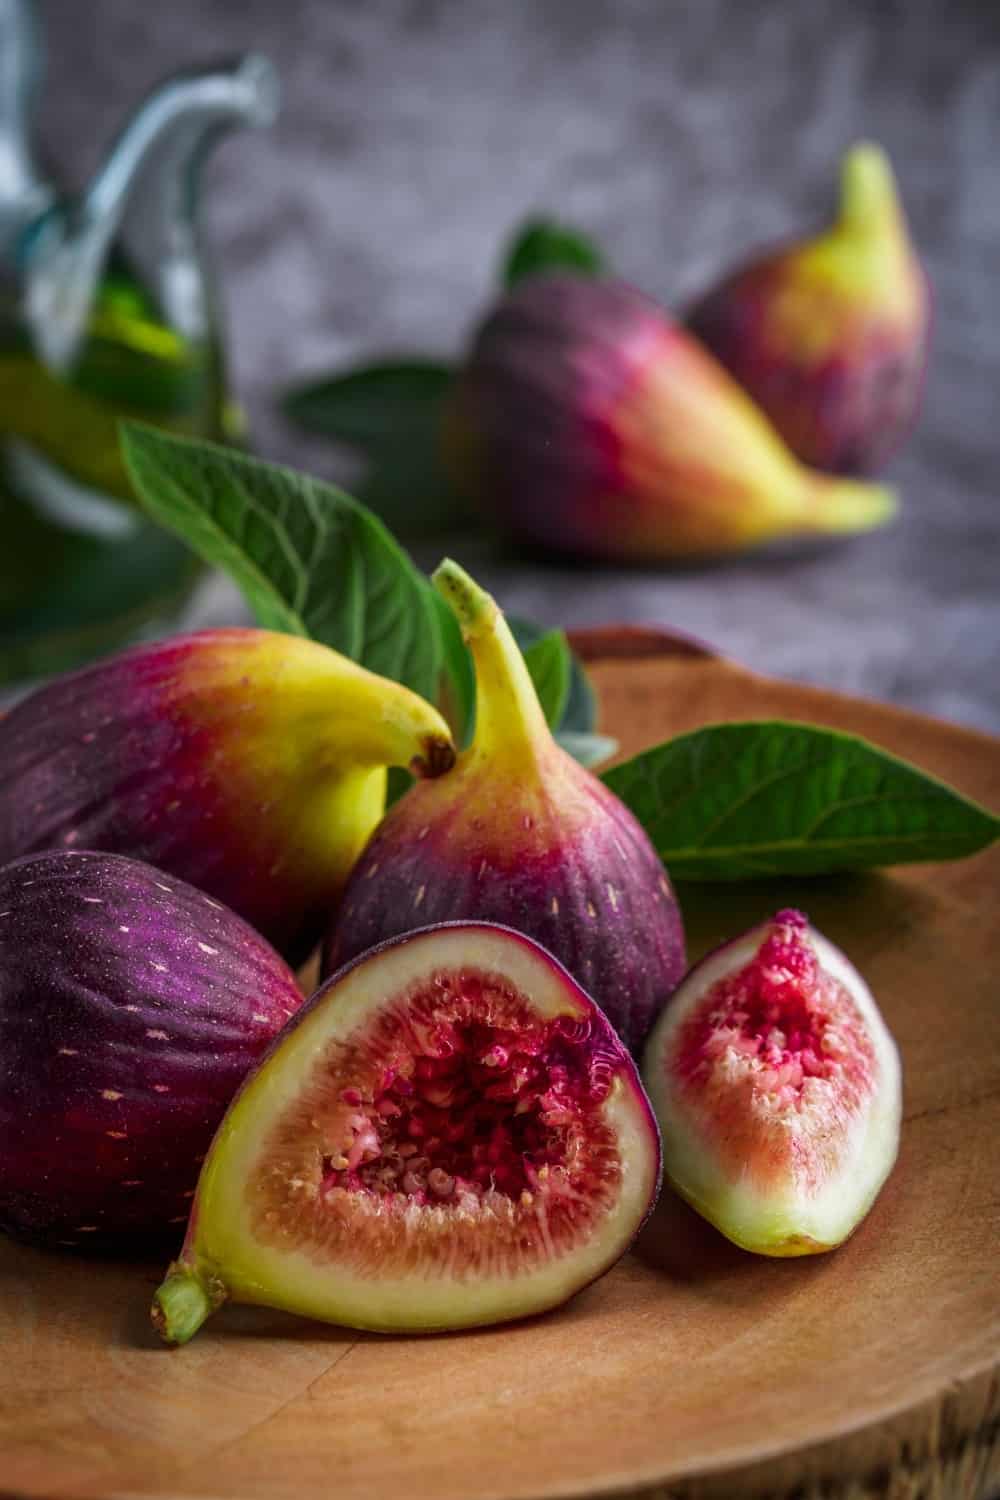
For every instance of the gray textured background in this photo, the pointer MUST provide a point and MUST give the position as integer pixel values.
(415, 133)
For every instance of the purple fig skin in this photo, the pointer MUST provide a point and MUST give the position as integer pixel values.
(246, 762)
(520, 834)
(132, 1006)
(594, 893)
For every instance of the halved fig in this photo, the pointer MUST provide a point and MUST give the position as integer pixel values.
(449, 1134)
(777, 1088)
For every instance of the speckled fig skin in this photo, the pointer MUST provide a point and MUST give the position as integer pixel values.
(131, 1008)
(830, 335)
(520, 834)
(249, 763)
(585, 421)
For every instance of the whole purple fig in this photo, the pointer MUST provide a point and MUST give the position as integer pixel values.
(520, 834)
(829, 335)
(132, 1006)
(586, 421)
(248, 762)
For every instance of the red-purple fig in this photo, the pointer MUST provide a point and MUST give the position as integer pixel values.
(249, 763)
(586, 421)
(519, 833)
(131, 1008)
(829, 335)
(777, 1087)
(448, 1134)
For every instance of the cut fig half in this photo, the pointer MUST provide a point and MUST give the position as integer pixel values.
(777, 1088)
(451, 1134)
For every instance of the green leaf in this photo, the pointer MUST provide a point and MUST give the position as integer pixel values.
(544, 245)
(372, 406)
(310, 560)
(580, 713)
(549, 662)
(588, 749)
(733, 801)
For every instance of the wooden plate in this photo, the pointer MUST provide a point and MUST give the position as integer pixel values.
(692, 1370)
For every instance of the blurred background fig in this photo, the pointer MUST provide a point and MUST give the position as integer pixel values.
(521, 834)
(777, 1088)
(247, 762)
(829, 335)
(450, 1134)
(585, 421)
(131, 1008)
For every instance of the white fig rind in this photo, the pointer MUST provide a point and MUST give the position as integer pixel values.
(785, 1222)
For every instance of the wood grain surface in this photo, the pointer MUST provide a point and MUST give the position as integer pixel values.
(693, 1371)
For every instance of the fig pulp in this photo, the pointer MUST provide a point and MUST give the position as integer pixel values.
(829, 335)
(449, 1134)
(586, 421)
(131, 1008)
(777, 1088)
(249, 763)
(519, 833)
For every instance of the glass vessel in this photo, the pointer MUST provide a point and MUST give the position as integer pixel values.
(106, 311)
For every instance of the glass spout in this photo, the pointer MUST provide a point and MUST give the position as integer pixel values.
(23, 195)
(156, 158)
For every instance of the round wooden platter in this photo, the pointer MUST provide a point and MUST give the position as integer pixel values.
(692, 1370)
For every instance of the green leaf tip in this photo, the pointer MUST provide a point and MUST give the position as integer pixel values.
(544, 245)
(550, 663)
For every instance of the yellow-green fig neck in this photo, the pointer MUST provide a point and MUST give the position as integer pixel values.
(510, 723)
(869, 199)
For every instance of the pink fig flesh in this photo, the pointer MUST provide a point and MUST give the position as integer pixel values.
(520, 834)
(586, 421)
(132, 1006)
(777, 1088)
(449, 1135)
(248, 763)
(830, 335)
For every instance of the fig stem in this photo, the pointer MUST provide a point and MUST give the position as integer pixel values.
(869, 202)
(183, 1302)
(509, 717)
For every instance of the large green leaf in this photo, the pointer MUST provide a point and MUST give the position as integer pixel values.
(733, 801)
(310, 560)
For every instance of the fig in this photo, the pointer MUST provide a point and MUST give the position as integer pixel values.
(586, 421)
(519, 833)
(249, 763)
(448, 1134)
(131, 1008)
(777, 1088)
(829, 335)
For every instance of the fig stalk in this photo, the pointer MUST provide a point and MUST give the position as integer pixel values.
(183, 1303)
(510, 724)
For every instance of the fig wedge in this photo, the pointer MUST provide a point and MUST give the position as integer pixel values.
(449, 1134)
(777, 1087)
